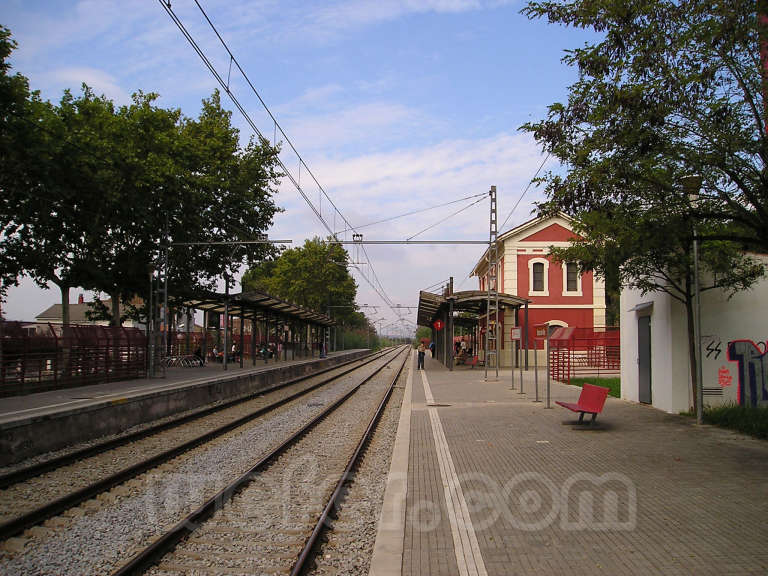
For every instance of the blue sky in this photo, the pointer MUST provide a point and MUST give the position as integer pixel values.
(394, 105)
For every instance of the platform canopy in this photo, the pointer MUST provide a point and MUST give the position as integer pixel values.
(471, 302)
(255, 305)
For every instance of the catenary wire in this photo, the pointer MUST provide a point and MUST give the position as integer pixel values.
(225, 86)
(448, 217)
(524, 192)
(411, 213)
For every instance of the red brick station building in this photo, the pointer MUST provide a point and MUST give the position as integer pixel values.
(556, 293)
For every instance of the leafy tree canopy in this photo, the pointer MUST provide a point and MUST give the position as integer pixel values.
(315, 275)
(670, 89)
(92, 193)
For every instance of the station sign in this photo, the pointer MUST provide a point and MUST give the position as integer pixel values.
(516, 333)
(438, 325)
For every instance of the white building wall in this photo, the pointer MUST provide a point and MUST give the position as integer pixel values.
(724, 320)
(510, 268)
(669, 376)
(598, 298)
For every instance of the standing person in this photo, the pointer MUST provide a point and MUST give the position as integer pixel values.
(432, 349)
(422, 351)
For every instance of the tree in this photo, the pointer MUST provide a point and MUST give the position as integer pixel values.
(228, 197)
(423, 332)
(22, 151)
(670, 89)
(314, 275)
(93, 194)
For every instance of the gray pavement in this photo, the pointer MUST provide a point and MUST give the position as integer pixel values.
(644, 493)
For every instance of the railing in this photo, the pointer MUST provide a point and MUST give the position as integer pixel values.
(53, 357)
(583, 352)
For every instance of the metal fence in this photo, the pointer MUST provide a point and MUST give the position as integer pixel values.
(53, 356)
(584, 352)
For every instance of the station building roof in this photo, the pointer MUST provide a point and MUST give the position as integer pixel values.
(255, 305)
(473, 302)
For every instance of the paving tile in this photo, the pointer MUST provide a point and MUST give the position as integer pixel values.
(645, 493)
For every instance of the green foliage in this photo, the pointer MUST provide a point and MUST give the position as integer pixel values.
(92, 194)
(613, 383)
(752, 421)
(669, 89)
(315, 275)
(423, 332)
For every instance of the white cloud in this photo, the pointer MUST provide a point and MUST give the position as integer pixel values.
(377, 186)
(100, 81)
(355, 13)
(314, 97)
(371, 123)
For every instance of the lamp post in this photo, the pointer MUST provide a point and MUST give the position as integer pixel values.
(692, 187)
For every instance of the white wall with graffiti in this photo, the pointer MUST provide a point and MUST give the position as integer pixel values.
(734, 359)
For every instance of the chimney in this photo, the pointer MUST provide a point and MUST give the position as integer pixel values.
(80, 299)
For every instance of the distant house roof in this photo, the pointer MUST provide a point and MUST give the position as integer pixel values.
(76, 313)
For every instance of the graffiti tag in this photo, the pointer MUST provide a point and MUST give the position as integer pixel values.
(752, 371)
(724, 378)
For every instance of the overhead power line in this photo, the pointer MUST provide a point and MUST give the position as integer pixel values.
(448, 217)
(412, 212)
(524, 192)
(294, 179)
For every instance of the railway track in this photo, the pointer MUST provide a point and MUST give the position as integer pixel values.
(32, 495)
(269, 520)
(138, 510)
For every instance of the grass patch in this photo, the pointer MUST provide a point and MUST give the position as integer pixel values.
(752, 421)
(613, 383)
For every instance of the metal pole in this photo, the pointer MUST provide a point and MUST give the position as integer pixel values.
(547, 342)
(527, 343)
(150, 326)
(535, 368)
(204, 341)
(520, 364)
(242, 337)
(166, 331)
(226, 320)
(697, 331)
(253, 340)
(512, 365)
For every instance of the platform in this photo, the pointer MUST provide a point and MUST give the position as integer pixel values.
(45, 421)
(500, 485)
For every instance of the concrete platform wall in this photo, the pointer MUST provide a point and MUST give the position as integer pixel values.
(28, 437)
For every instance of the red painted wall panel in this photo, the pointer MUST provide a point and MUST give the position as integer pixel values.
(555, 279)
(552, 233)
(581, 317)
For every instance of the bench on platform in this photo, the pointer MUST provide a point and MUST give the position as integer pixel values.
(475, 361)
(591, 401)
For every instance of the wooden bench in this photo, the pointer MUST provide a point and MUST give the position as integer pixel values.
(591, 401)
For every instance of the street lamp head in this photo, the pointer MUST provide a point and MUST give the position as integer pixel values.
(692, 186)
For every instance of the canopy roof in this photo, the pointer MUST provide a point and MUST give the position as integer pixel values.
(255, 305)
(472, 302)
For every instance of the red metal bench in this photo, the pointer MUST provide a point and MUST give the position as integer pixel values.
(591, 401)
(474, 362)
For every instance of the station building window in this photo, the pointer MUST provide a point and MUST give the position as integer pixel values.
(538, 277)
(571, 279)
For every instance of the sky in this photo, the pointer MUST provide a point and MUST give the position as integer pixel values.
(394, 106)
